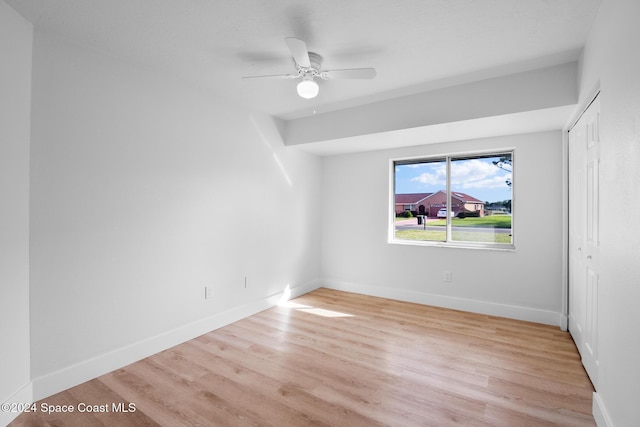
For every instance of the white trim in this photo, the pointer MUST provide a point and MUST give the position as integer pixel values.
(392, 200)
(600, 413)
(483, 307)
(71, 376)
(455, 244)
(21, 397)
(565, 231)
(564, 323)
(582, 107)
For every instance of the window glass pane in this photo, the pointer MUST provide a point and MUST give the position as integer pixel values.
(455, 199)
(421, 187)
(481, 193)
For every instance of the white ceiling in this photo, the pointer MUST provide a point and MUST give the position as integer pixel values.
(415, 45)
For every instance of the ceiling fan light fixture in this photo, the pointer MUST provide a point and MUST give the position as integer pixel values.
(308, 65)
(308, 89)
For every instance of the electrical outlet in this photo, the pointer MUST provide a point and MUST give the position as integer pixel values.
(448, 276)
(207, 292)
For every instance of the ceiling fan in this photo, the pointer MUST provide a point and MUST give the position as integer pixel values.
(309, 66)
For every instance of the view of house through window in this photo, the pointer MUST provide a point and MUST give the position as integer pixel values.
(455, 199)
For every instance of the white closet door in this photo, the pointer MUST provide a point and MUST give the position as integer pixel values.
(584, 237)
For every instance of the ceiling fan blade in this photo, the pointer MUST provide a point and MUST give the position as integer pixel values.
(351, 73)
(274, 76)
(299, 51)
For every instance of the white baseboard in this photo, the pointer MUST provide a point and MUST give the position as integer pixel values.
(21, 397)
(483, 307)
(564, 323)
(600, 413)
(71, 376)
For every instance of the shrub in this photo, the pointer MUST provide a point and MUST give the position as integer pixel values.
(408, 214)
(468, 214)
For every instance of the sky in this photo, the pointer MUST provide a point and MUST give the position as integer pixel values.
(477, 177)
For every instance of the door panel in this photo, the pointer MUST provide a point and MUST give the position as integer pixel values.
(584, 238)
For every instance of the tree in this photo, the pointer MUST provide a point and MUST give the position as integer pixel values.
(505, 163)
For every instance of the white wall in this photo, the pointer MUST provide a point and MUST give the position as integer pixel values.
(16, 36)
(525, 283)
(611, 60)
(144, 190)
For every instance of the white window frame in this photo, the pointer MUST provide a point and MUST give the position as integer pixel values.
(451, 243)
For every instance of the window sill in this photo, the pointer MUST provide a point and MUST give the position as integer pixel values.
(455, 245)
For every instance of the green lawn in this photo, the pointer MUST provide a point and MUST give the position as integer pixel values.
(433, 236)
(491, 221)
(401, 218)
(459, 236)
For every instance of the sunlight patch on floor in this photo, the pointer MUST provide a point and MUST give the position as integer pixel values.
(291, 304)
(286, 303)
(324, 313)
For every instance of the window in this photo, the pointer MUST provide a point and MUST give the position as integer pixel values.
(456, 200)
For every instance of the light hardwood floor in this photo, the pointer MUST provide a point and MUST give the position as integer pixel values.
(341, 359)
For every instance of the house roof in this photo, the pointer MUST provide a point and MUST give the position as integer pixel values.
(411, 198)
(415, 198)
(465, 197)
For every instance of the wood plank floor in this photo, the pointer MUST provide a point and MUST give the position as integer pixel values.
(341, 359)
